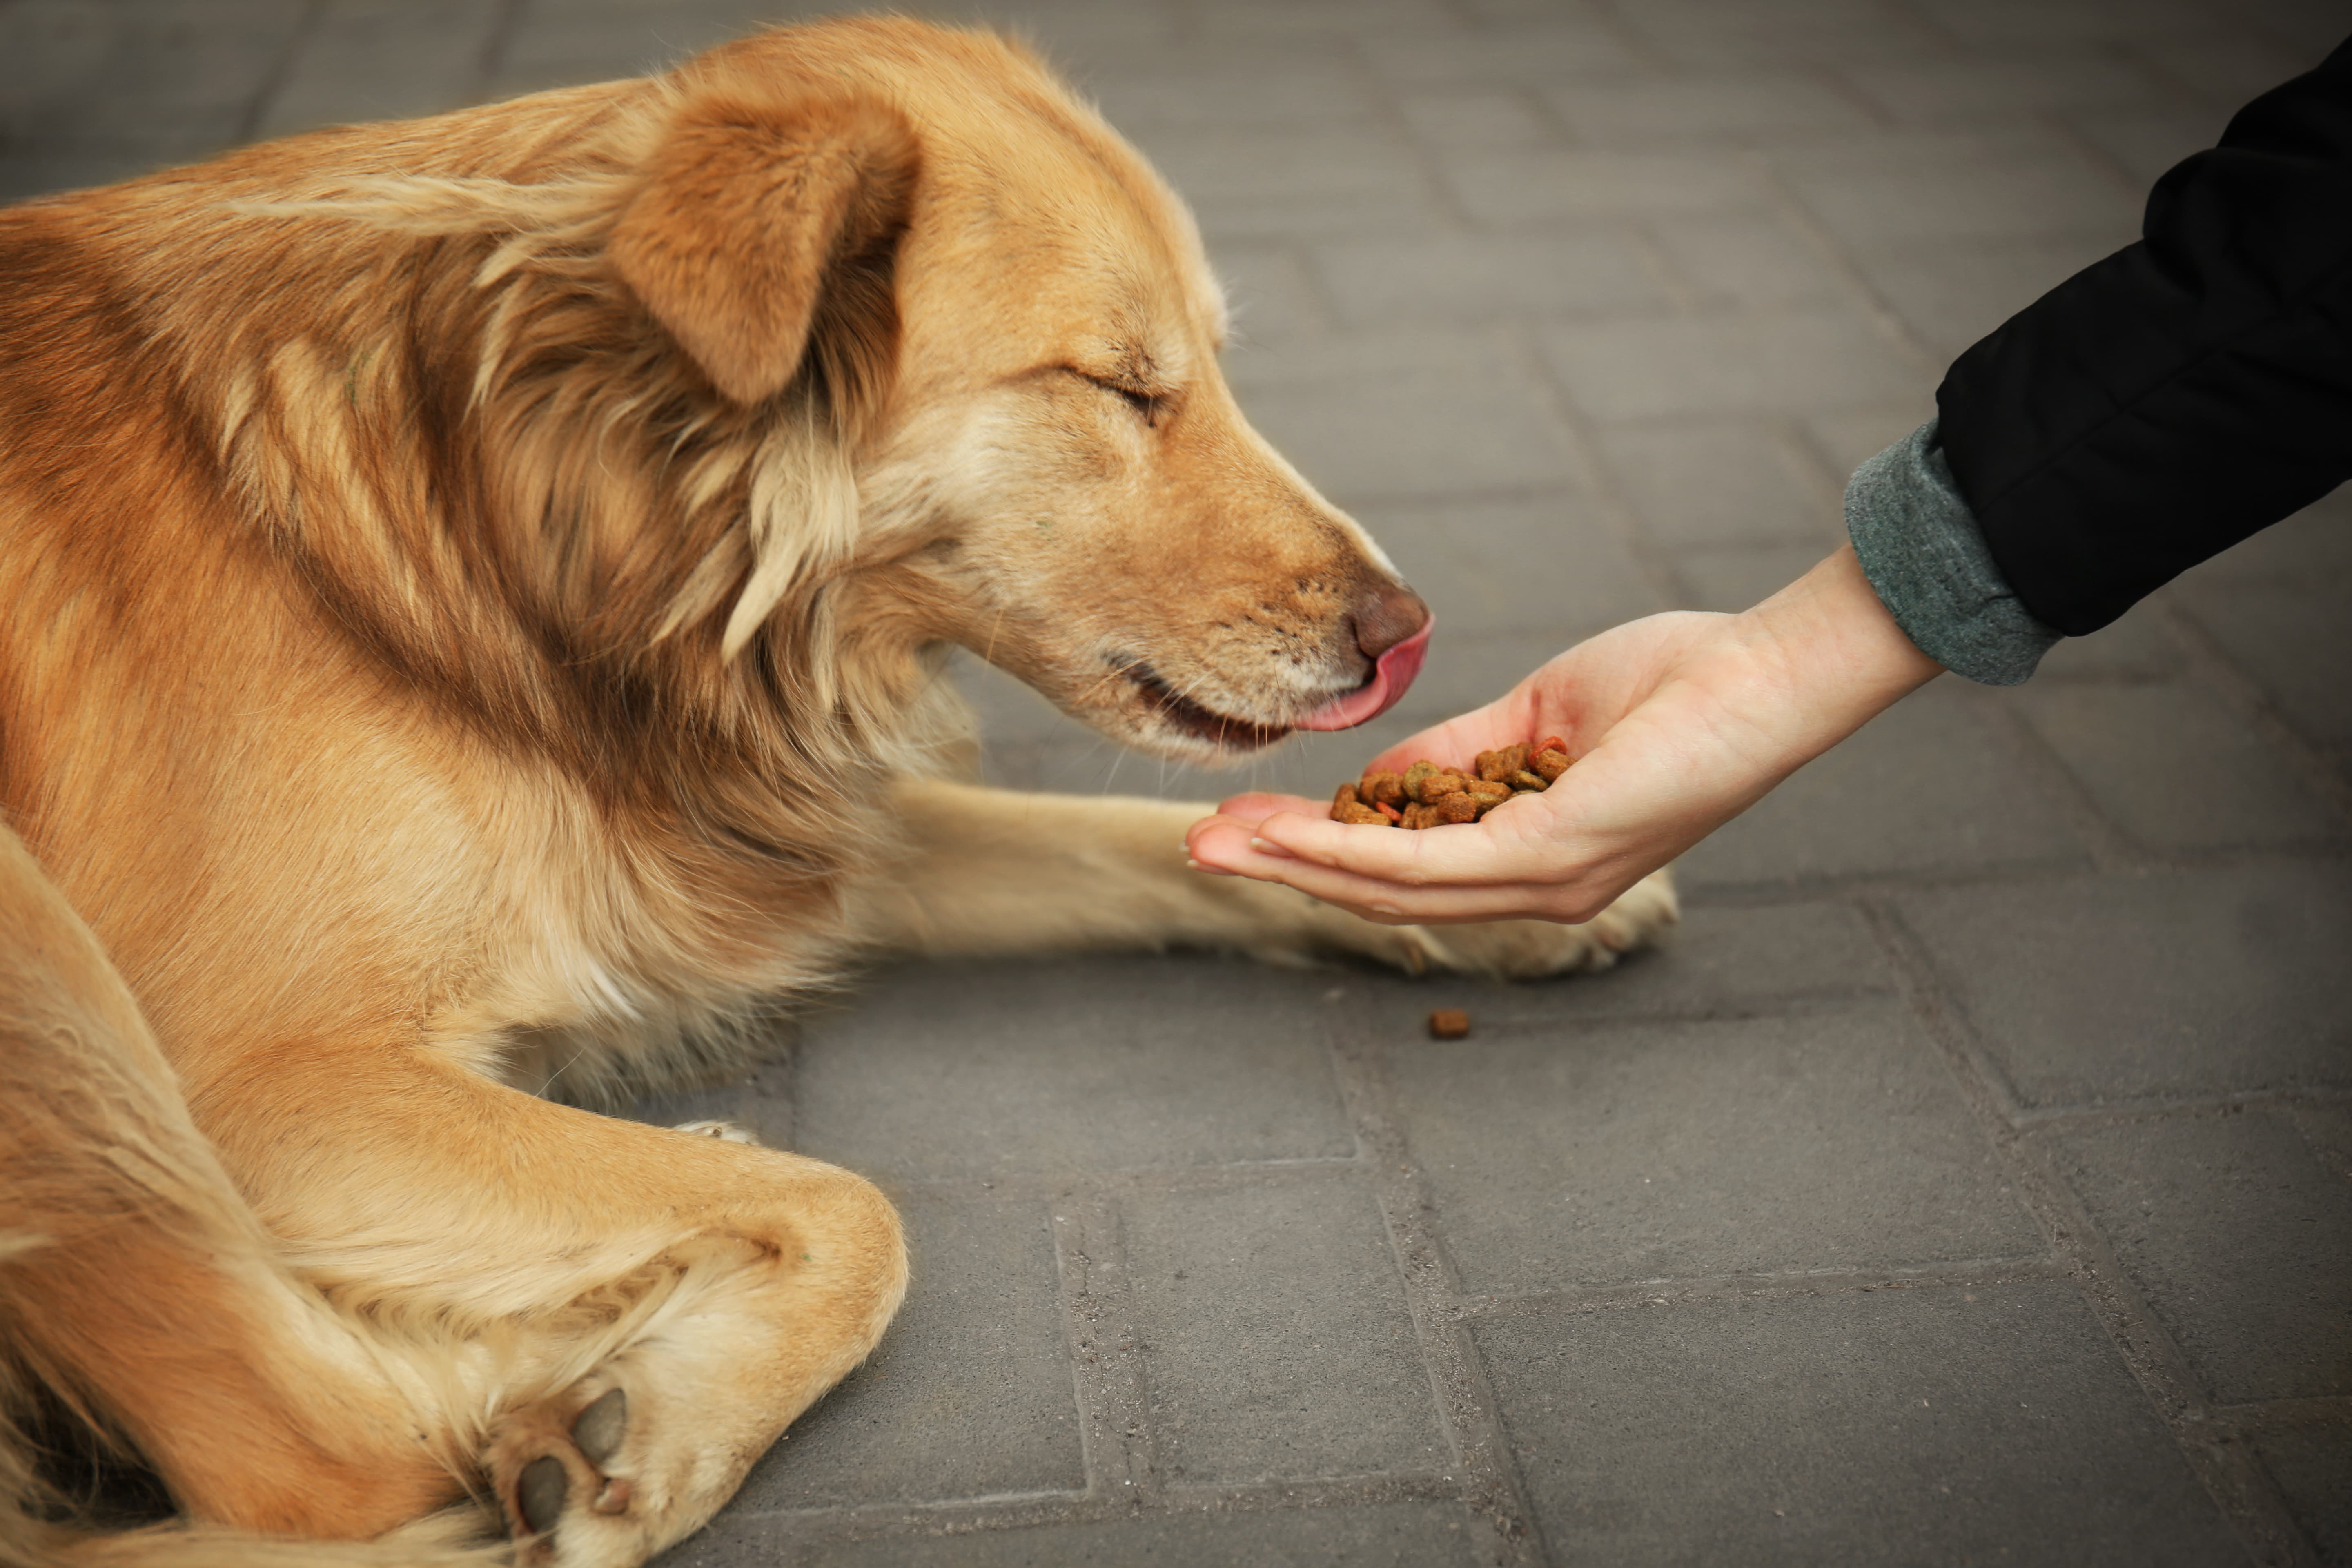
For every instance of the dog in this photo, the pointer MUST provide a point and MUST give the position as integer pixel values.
(477, 593)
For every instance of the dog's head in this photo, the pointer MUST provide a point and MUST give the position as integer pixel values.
(997, 330)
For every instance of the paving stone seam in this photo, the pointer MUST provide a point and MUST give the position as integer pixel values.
(1469, 1414)
(2111, 848)
(1615, 507)
(1750, 891)
(2331, 1141)
(1386, 111)
(971, 1516)
(2249, 1420)
(2229, 1470)
(1779, 1286)
(2037, 1119)
(1637, 43)
(2220, 675)
(1057, 1187)
(1858, 888)
(1107, 1366)
(1876, 307)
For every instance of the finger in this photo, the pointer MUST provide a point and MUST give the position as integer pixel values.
(1506, 846)
(1388, 903)
(1256, 805)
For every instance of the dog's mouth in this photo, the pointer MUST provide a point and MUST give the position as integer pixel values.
(1181, 712)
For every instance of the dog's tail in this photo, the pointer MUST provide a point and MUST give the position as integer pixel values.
(142, 1304)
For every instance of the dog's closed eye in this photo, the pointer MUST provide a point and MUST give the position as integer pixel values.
(1151, 405)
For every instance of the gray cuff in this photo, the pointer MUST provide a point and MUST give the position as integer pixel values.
(1922, 552)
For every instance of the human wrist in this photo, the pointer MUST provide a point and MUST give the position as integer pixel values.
(1840, 654)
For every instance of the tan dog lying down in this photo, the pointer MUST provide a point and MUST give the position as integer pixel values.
(468, 586)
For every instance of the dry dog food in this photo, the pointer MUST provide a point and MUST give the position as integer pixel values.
(1427, 796)
(1449, 1024)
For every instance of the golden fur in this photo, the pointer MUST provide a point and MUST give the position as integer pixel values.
(477, 592)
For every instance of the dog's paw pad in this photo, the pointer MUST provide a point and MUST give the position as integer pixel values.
(730, 1132)
(548, 1467)
(540, 1493)
(598, 1432)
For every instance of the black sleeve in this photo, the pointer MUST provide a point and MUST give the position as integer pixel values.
(2164, 403)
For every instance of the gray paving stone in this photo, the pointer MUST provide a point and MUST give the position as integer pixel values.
(170, 83)
(1270, 292)
(2228, 67)
(2179, 983)
(1581, 184)
(1970, 89)
(1922, 190)
(1475, 116)
(2133, 648)
(1952, 295)
(1715, 107)
(1478, 278)
(1380, 1535)
(2177, 771)
(1849, 440)
(1247, 21)
(1750, 261)
(42, 172)
(2309, 1464)
(1832, 1139)
(1722, 962)
(968, 1071)
(969, 1395)
(2144, 142)
(383, 59)
(1990, 1424)
(1534, 566)
(1800, 363)
(1720, 481)
(2239, 1237)
(1276, 1341)
(1923, 787)
(1534, 56)
(2294, 639)
(2312, 27)
(1721, 35)
(1218, 88)
(1419, 432)
(2033, 22)
(1263, 181)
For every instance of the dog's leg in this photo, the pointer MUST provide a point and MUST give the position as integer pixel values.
(135, 1282)
(996, 872)
(660, 1302)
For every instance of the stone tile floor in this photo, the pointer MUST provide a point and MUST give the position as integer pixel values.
(1971, 1183)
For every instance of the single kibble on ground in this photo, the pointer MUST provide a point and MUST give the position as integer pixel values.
(1449, 1024)
(1428, 796)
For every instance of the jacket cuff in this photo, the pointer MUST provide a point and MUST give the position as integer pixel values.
(1925, 557)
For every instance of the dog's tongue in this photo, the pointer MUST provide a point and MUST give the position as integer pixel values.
(1391, 674)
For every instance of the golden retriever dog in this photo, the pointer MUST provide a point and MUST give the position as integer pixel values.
(477, 596)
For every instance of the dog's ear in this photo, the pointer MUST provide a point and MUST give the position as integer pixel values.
(763, 230)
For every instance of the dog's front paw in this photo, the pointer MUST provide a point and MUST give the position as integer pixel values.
(1529, 950)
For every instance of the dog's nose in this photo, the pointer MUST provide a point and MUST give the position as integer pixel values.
(1388, 619)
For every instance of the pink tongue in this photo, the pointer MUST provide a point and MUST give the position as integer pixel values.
(1390, 677)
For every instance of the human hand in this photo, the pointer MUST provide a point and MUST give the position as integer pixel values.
(1679, 723)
